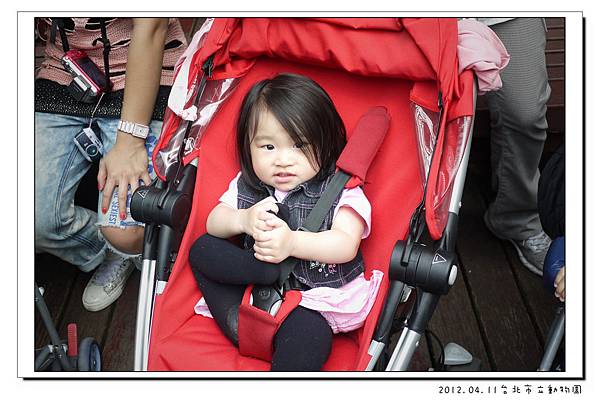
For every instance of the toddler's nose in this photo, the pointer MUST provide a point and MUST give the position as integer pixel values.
(284, 158)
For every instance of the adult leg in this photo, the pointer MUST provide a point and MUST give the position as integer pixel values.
(302, 343)
(518, 129)
(518, 133)
(125, 236)
(61, 228)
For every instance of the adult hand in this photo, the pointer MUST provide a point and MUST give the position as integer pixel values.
(275, 245)
(124, 165)
(559, 285)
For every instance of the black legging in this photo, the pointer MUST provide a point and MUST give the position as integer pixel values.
(223, 270)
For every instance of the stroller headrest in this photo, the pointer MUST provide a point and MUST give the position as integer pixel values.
(363, 144)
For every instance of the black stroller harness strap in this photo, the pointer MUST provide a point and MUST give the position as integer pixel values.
(356, 157)
(315, 218)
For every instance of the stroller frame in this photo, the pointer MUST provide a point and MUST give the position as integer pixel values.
(58, 355)
(162, 240)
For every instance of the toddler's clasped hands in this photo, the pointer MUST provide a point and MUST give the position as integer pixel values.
(274, 240)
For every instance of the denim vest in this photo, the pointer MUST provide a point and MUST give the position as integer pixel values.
(300, 202)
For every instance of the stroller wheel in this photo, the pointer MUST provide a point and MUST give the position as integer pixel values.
(89, 358)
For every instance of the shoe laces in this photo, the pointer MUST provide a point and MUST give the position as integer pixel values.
(110, 269)
(538, 242)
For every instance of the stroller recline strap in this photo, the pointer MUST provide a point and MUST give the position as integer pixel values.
(257, 328)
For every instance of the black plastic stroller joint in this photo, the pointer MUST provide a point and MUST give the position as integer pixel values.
(169, 206)
(432, 271)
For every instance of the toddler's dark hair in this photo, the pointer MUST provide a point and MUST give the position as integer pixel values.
(304, 110)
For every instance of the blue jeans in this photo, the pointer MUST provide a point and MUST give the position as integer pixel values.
(63, 229)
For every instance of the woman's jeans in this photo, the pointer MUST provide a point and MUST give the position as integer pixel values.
(63, 229)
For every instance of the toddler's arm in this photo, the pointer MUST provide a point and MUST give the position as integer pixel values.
(338, 245)
(225, 221)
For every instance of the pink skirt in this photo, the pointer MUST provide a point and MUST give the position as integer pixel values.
(344, 308)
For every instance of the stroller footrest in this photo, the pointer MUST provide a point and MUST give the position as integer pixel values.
(257, 328)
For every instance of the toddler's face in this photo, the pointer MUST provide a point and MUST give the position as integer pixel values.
(277, 160)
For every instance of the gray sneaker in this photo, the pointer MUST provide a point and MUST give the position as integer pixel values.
(532, 251)
(107, 283)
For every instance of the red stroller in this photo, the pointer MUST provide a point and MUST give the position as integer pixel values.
(415, 181)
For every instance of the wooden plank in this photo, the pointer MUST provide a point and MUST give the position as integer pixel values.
(555, 22)
(118, 350)
(455, 321)
(57, 278)
(555, 33)
(539, 301)
(556, 72)
(555, 58)
(555, 45)
(89, 324)
(507, 328)
(557, 97)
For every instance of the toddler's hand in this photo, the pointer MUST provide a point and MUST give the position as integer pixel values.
(253, 219)
(559, 285)
(276, 244)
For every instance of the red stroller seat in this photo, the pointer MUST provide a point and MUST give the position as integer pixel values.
(361, 63)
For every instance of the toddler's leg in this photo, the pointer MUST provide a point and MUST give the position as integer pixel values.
(302, 343)
(223, 301)
(223, 262)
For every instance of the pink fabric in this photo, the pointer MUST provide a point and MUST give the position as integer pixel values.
(354, 198)
(118, 32)
(482, 51)
(344, 308)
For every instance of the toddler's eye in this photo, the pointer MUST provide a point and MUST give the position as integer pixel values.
(300, 145)
(268, 147)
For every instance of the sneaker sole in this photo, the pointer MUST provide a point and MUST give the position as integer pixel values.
(109, 300)
(524, 261)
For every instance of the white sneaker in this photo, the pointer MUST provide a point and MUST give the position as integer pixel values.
(107, 283)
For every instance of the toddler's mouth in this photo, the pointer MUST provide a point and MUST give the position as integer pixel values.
(283, 178)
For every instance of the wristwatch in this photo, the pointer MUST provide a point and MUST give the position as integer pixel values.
(135, 129)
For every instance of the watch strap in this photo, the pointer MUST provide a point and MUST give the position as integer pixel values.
(135, 129)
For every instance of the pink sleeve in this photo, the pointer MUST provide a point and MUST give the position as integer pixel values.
(230, 196)
(356, 199)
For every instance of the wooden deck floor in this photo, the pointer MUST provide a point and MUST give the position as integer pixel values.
(497, 309)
